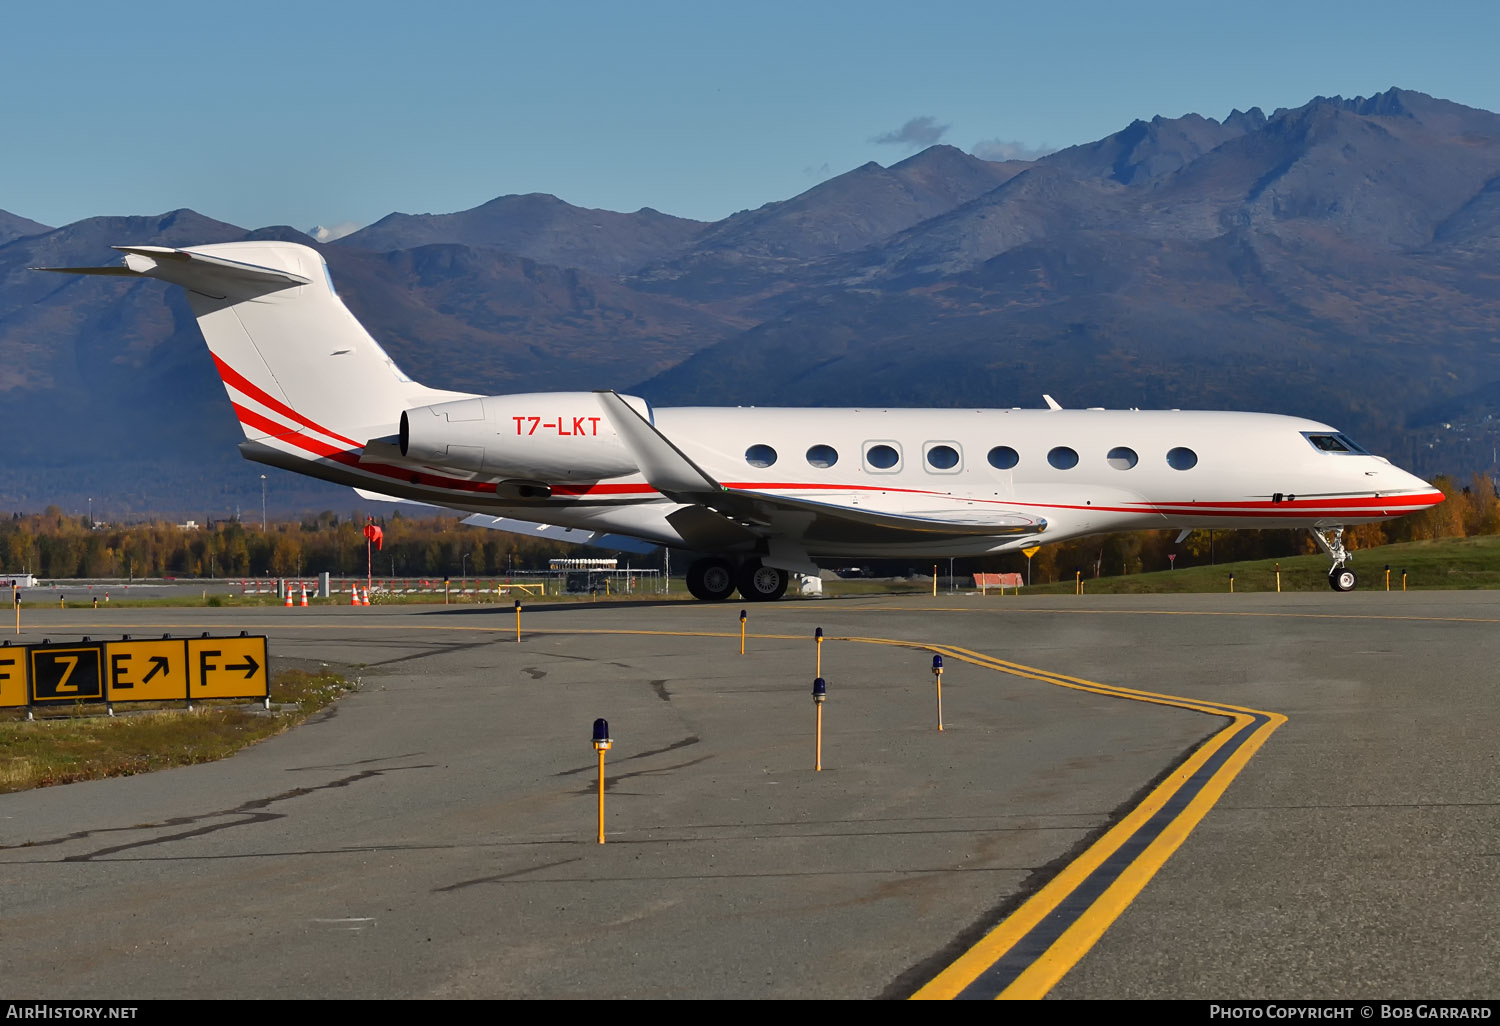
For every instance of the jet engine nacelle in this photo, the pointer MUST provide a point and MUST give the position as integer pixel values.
(546, 436)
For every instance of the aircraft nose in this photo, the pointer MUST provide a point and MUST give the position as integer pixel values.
(1426, 493)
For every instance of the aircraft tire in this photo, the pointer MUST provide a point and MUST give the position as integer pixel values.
(759, 583)
(710, 579)
(1341, 578)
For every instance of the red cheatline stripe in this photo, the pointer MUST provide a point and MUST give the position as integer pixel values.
(1364, 506)
(237, 380)
(348, 458)
(1420, 499)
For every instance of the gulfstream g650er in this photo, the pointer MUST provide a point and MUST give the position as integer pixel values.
(764, 491)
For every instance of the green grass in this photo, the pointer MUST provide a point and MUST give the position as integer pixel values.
(86, 745)
(1447, 563)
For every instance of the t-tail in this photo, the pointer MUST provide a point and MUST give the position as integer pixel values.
(306, 380)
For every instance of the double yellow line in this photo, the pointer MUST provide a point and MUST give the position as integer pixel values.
(1027, 953)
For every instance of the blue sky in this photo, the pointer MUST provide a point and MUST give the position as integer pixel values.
(325, 112)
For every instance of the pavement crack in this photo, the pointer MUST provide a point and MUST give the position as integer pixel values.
(691, 739)
(498, 877)
(244, 814)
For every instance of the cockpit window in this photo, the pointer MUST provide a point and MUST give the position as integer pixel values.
(1333, 443)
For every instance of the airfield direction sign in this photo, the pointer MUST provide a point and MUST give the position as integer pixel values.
(227, 668)
(12, 676)
(66, 673)
(146, 671)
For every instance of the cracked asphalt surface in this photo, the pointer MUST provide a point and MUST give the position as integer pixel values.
(434, 834)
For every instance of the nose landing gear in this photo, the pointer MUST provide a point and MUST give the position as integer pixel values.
(1331, 541)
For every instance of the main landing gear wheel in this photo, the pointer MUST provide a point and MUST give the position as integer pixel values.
(1341, 578)
(761, 583)
(710, 579)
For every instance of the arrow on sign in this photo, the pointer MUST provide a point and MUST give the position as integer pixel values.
(249, 666)
(158, 665)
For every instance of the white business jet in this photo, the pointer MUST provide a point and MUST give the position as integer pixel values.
(766, 492)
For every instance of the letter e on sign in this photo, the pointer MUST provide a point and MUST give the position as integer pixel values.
(146, 671)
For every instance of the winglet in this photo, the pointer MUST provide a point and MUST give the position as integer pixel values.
(664, 466)
(1051, 402)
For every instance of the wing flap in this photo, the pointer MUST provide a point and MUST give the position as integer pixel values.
(945, 522)
(554, 532)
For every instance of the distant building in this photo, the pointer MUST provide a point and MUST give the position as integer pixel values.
(17, 580)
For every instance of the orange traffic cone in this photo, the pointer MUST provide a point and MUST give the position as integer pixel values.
(353, 595)
(304, 596)
(289, 598)
(366, 601)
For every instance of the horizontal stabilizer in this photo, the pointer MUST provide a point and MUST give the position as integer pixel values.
(117, 269)
(188, 268)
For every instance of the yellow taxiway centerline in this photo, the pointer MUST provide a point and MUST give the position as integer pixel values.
(1028, 952)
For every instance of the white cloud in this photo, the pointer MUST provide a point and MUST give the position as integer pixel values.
(327, 233)
(916, 133)
(1005, 149)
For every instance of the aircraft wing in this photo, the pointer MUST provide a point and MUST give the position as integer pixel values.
(670, 471)
(571, 535)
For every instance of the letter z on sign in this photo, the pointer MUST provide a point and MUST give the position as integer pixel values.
(227, 668)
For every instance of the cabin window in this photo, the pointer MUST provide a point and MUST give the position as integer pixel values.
(942, 456)
(1334, 443)
(882, 456)
(1122, 457)
(1063, 458)
(1003, 457)
(822, 456)
(760, 456)
(1182, 458)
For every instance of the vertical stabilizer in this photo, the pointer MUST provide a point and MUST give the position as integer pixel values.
(292, 357)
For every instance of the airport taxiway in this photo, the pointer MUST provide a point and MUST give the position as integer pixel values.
(433, 835)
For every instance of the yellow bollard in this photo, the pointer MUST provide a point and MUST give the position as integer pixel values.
(1388, 577)
(1231, 584)
(818, 637)
(1403, 580)
(934, 580)
(602, 743)
(819, 695)
(61, 603)
(1278, 578)
(937, 675)
(15, 599)
(518, 621)
(742, 632)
